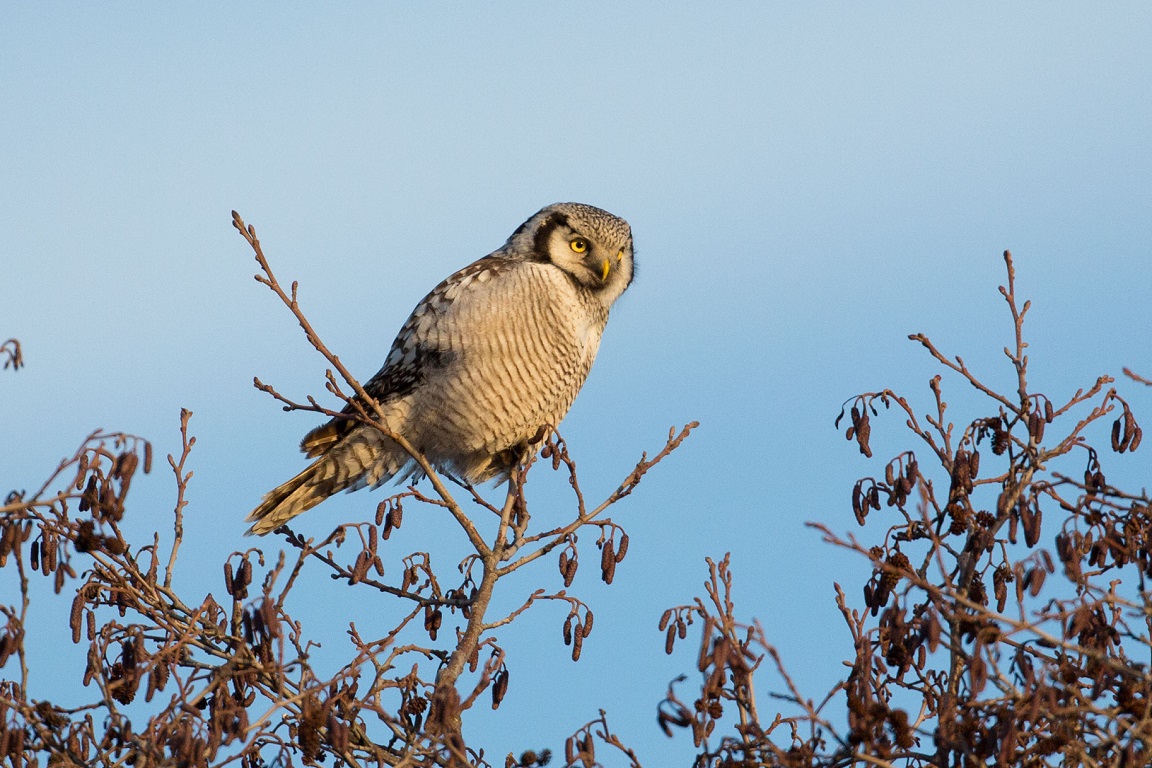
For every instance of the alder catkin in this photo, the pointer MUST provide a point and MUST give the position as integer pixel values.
(622, 550)
(75, 616)
(607, 555)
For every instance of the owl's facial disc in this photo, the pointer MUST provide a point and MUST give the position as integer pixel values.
(589, 244)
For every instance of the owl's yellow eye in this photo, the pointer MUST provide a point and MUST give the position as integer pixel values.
(620, 256)
(578, 244)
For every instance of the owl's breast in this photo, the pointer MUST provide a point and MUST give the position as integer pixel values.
(521, 346)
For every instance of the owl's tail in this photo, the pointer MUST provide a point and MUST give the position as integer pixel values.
(362, 457)
(284, 502)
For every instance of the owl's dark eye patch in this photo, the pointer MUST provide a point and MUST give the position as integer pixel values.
(540, 242)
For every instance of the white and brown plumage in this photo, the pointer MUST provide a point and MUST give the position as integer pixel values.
(493, 354)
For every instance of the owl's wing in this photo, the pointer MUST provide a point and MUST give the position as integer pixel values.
(415, 354)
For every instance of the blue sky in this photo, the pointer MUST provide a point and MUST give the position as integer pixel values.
(806, 184)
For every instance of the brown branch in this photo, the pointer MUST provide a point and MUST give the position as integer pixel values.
(182, 479)
(1138, 379)
(12, 354)
(557, 536)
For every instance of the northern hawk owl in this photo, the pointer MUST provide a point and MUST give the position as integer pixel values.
(491, 356)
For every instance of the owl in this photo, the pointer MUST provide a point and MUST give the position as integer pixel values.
(491, 357)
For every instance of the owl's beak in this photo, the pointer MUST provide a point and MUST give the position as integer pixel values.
(605, 268)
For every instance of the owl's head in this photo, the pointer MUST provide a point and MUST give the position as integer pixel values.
(591, 245)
